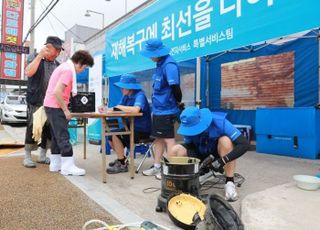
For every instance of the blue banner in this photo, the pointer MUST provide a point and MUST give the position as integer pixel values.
(195, 28)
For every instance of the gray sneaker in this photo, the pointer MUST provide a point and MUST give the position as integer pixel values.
(28, 163)
(117, 168)
(151, 171)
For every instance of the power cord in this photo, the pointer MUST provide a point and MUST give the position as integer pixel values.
(208, 181)
(150, 190)
(145, 225)
(218, 182)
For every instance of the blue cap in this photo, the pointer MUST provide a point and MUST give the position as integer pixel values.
(128, 81)
(194, 121)
(154, 48)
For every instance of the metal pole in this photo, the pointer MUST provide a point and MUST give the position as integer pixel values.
(32, 20)
(198, 76)
(126, 6)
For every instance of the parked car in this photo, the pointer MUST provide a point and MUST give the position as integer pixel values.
(13, 109)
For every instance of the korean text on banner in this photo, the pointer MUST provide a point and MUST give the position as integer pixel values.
(194, 28)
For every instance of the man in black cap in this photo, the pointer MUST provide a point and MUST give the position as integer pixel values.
(39, 71)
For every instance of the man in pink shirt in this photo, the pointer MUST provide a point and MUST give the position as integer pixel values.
(61, 84)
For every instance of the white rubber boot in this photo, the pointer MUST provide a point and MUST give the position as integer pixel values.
(69, 168)
(55, 163)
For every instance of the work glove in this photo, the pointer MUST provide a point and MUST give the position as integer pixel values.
(181, 106)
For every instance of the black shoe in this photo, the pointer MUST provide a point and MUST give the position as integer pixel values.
(117, 168)
(112, 163)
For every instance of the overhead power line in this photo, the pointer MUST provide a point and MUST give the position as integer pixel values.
(51, 5)
(66, 28)
(42, 7)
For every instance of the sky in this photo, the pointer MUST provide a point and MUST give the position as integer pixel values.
(67, 13)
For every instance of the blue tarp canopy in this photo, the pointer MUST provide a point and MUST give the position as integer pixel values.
(83, 76)
(305, 93)
(203, 28)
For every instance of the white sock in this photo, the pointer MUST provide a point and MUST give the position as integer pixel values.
(156, 165)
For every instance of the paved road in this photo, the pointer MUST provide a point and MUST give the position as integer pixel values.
(12, 135)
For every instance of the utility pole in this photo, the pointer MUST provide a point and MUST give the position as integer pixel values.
(32, 19)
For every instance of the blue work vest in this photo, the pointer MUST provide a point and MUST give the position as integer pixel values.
(138, 98)
(163, 100)
(206, 141)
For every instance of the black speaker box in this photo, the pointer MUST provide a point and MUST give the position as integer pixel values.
(83, 102)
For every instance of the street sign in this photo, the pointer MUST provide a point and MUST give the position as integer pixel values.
(14, 49)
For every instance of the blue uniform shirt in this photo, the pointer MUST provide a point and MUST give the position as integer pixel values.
(166, 74)
(138, 98)
(206, 141)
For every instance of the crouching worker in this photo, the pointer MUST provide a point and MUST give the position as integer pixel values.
(210, 133)
(61, 84)
(133, 100)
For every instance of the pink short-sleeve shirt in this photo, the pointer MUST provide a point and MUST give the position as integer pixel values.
(63, 74)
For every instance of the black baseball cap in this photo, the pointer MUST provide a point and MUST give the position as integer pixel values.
(55, 41)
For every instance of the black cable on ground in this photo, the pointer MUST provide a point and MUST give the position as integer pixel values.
(150, 190)
(218, 182)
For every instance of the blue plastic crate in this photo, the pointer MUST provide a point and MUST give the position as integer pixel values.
(288, 131)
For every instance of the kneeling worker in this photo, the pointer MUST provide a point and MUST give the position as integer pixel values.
(210, 133)
(135, 101)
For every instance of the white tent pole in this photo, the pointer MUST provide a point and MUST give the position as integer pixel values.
(198, 77)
